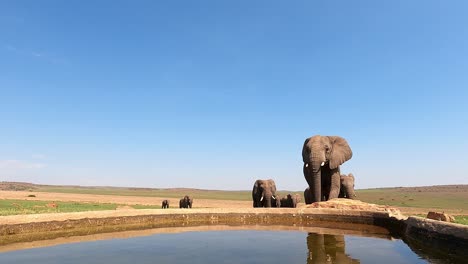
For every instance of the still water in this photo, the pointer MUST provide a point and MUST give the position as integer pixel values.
(241, 246)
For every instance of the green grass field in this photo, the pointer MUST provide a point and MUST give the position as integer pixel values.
(12, 207)
(418, 198)
(15, 207)
(461, 220)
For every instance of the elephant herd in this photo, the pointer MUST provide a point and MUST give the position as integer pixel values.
(185, 202)
(322, 157)
(264, 195)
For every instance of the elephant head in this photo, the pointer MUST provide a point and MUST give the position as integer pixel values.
(347, 186)
(263, 192)
(296, 200)
(277, 201)
(322, 156)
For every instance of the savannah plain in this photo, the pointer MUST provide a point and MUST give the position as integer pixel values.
(27, 198)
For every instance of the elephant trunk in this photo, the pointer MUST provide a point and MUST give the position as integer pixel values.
(350, 192)
(266, 198)
(316, 187)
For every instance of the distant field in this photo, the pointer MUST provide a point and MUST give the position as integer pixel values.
(12, 207)
(168, 193)
(453, 197)
(441, 197)
(123, 191)
(15, 207)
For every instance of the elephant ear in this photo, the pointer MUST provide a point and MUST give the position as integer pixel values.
(305, 151)
(256, 185)
(341, 151)
(273, 185)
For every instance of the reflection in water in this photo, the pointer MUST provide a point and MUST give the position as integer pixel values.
(234, 246)
(325, 248)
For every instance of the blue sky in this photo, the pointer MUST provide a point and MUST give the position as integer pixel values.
(216, 94)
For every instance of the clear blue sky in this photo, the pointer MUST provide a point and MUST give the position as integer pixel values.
(215, 94)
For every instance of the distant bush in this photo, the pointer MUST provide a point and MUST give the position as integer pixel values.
(31, 195)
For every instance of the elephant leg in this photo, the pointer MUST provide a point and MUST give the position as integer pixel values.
(342, 192)
(257, 202)
(334, 184)
(326, 183)
(325, 189)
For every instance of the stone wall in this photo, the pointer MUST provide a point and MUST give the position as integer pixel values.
(418, 232)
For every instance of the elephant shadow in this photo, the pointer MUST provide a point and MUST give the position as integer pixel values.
(324, 248)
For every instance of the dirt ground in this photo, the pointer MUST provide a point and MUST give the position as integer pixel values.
(174, 203)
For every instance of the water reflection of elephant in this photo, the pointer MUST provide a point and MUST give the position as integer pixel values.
(327, 249)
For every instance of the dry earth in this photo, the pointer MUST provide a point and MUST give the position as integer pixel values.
(134, 200)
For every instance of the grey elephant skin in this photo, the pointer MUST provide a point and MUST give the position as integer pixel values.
(186, 202)
(290, 201)
(322, 157)
(346, 189)
(308, 196)
(165, 204)
(347, 186)
(276, 202)
(263, 192)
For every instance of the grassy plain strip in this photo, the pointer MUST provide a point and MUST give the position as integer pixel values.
(16, 207)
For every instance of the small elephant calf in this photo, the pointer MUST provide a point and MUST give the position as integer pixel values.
(165, 204)
(290, 201)
(347, 186)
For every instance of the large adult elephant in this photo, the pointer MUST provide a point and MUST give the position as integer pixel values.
(322, 156)
(264, 191)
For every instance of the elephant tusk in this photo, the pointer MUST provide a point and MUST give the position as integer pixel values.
(261, 199)
(307, 165)
(323, 163)
(273, 198)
